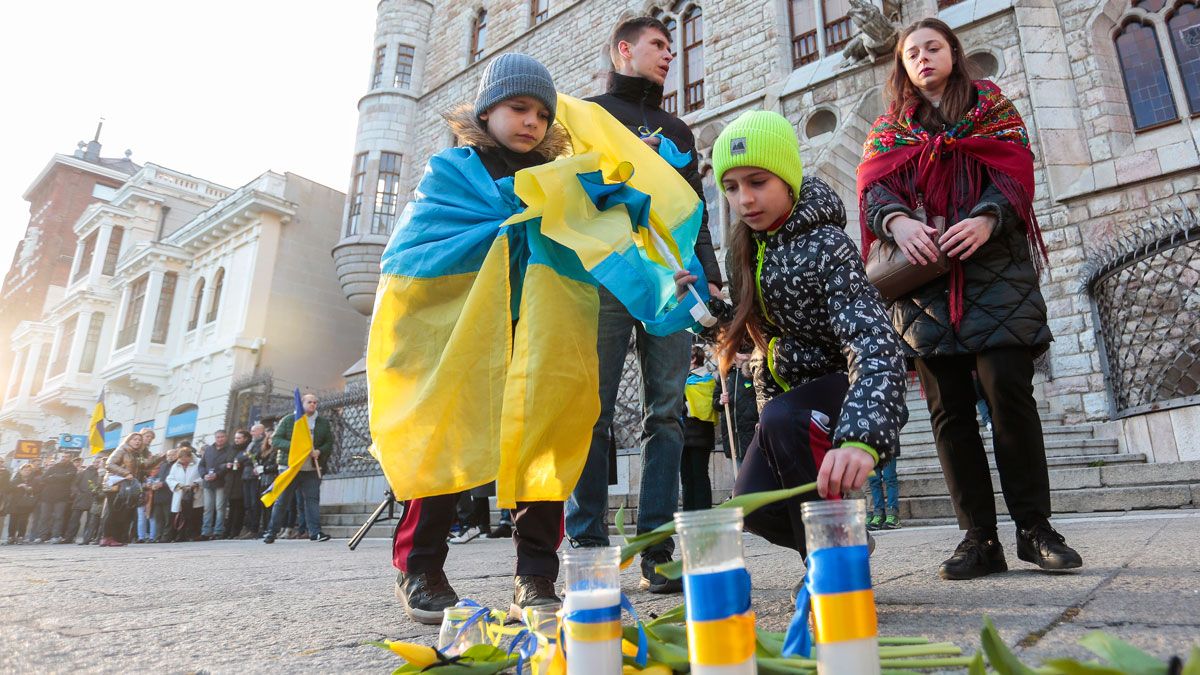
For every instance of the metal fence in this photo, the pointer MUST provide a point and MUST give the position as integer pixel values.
(1146, 300)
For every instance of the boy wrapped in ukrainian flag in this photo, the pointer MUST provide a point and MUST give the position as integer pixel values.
(482, 361)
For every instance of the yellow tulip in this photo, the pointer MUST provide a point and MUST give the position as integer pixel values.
(420, 656)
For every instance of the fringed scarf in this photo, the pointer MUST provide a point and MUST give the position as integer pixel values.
(946, 170)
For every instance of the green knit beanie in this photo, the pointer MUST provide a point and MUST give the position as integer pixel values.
(762, 139)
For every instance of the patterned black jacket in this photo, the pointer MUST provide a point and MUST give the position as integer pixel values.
(823, 316)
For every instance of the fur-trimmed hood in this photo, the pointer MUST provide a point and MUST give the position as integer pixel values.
(468, 131)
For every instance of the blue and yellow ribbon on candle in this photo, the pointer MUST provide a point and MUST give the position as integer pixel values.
(598, 624)
(720, 623)
(837, 588)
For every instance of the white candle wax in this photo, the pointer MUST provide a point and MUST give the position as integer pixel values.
(592, 658)
(852, 656)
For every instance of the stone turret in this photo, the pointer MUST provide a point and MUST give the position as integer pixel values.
(385, 126)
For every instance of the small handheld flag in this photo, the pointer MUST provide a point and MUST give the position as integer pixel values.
(96, 426)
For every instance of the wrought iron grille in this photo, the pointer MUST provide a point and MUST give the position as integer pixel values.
(627, 414)
(351, 427)
(1146, 296)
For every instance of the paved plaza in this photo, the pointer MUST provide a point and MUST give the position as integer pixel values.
(300, 606)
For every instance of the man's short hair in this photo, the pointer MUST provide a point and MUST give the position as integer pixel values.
(630, 30)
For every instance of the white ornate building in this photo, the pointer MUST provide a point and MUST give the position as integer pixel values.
(179, 288)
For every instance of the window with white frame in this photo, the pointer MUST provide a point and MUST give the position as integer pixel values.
(685, 22)
(91, 343)
(162, 314)
(114, 251)
(405, 54)
(197, 298)
(86, 251)
(64, 346)
(133, 311)
(215, 303)
(818, 28)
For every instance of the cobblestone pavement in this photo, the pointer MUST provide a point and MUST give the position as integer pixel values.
(300, 606)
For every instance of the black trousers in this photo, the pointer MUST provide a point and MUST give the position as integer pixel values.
(419, 542)
(250, 497)
(118, 521)
(237, 517)
(694, 482)
(1006, 377)
(788, 447)
(73, 519)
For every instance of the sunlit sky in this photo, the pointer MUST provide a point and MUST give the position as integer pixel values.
(219, 89)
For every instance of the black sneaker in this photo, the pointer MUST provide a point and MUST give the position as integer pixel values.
(425, 595)
(502, 531)
(321, 537)
(531, 591)
(269, 538)
(653, 581)
(1047, 549)
(978, 554)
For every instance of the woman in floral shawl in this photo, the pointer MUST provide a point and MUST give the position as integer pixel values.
(955, 149)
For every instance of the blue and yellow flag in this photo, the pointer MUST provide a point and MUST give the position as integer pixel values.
(96, 426)
(699, 392)
(481, 359)
(301, 448)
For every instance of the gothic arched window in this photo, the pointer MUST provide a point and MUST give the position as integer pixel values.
(1145, 75)
(1184, 27)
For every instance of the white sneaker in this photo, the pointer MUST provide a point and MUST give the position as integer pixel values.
(467, 535)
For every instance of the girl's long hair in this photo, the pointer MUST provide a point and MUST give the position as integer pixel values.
(900, 94)
(746, 319)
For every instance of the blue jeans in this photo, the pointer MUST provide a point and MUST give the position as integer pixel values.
(215, 500)
(147, 526)
(308, 486)
(885, 477)
(663, 362)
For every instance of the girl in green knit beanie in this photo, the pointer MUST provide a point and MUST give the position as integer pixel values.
(828, 373)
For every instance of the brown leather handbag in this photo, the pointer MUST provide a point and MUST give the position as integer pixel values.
(892, 273)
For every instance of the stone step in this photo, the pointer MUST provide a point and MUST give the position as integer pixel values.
(1059, 462)
(1070, 477)
(914, 435)
(1054, 448)
(1124, 487)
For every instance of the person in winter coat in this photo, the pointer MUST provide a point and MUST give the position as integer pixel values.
(233, 485)
(127, 466)
(829, 379)
(215, 464)
(184, 483)
(55, 500)
(957, 149)
(250, 463)
(22, 497)
(699, 436)
(509, 127)
(641, 56)
(738, 394)
(82, 497)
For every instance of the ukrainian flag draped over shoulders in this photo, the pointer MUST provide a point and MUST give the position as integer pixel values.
(481, 358)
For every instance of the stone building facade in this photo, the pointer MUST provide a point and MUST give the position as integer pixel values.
(1110, 91)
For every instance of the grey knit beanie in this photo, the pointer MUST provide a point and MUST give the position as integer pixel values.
(511, 75)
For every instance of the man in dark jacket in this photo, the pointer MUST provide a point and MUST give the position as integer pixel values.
(55, 500)
(308, 482)
(250, 462)
(641, 55)
(82, 496)
(233, 485)
(215, 464)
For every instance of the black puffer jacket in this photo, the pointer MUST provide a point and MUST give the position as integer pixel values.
(824, 317)
(1002, 302)
(636, 102)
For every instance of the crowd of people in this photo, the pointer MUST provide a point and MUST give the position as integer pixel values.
(132, 495)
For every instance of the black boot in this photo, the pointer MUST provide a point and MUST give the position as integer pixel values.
(1047, 549)
(979, 554)
(531, 591)
(425, 595)
(653, 581)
